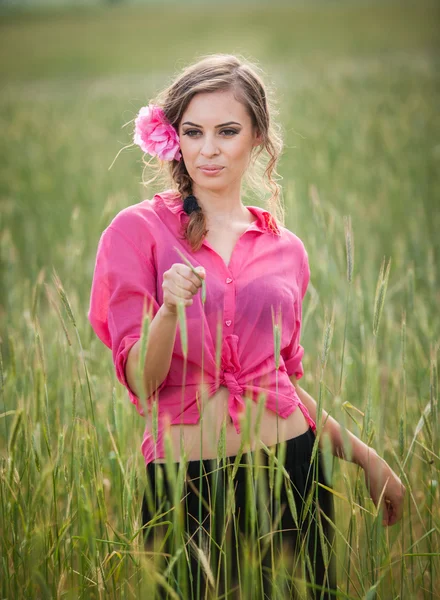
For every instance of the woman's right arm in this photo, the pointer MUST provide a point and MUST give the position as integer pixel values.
(179, 284)
(161, 337)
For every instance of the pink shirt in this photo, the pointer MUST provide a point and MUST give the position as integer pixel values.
(268, 270)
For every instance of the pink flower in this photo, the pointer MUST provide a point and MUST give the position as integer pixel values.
(155, 135)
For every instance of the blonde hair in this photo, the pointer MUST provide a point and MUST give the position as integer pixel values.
(213, 73)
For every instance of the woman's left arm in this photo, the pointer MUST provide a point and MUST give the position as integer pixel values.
(378, 474)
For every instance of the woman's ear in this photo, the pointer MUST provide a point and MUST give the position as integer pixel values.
(258, 138)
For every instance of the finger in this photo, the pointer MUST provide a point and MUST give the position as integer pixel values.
(201, 272)
(386, 514)
(187, 272)
(397, 510)
(197, 276)
(176, 290)
(391, 518)
(191, 282)
(186, 276)
(393, 513)
(198, 270)
(175, 299)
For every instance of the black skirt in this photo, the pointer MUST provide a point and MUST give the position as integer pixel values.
(241, 525)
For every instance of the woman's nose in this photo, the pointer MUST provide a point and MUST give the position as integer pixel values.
(209, 147)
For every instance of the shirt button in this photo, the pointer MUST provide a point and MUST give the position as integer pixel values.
(228, 280)
(228, 323)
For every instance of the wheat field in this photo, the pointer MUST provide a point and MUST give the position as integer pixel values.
(358, 93)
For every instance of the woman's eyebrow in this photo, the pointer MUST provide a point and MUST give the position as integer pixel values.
(216, 127)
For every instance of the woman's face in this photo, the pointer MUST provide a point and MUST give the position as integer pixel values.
(216, 140)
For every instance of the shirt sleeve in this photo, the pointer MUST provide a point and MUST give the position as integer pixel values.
(124, 280)
(294, 352)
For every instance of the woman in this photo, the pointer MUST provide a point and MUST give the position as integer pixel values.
(220, 386)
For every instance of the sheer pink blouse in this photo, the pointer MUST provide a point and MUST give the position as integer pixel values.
(264, 284)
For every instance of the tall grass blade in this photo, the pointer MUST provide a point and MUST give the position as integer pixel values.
(381, 289)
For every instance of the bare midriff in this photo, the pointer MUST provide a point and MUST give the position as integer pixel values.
(200, 440)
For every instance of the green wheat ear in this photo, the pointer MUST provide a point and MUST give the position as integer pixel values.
(327, 339)
(381, 289)
(2, 373)
(169, 460)
(143, 351)
(63, 296)
(155, 418)
(349, 245)
(183, 328)
(15, 429)
(276, 328)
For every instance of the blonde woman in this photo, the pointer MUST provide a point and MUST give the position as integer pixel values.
(230, 383)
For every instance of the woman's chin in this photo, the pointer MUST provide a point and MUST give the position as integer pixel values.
(214, 186)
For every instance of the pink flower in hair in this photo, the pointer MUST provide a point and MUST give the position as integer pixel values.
(155, 135)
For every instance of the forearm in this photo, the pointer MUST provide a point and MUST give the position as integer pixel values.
(161, 338)
(360, 452)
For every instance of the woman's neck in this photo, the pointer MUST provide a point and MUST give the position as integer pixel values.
(220, 208)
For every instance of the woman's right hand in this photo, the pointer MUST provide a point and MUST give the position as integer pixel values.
(180, 284)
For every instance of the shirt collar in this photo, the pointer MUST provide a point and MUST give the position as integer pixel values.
(265, 221)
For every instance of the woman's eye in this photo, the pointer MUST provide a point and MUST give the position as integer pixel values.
(194, 132)
(229, 131)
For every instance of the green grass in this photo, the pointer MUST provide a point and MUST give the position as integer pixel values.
(358, 89)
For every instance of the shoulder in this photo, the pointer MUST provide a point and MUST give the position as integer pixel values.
(300, 259)
(139, 223)
(295, 242)
(134, 217)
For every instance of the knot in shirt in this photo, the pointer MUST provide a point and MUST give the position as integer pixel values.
(231, 366)
(229, 380)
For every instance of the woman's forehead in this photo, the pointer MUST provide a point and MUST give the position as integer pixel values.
(211, 109)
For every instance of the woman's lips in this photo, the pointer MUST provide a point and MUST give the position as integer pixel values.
(211, 171)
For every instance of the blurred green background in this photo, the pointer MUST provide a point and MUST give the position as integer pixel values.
(357, 86)
(358, 91)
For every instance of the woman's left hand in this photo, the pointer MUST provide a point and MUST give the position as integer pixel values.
(378, 474)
